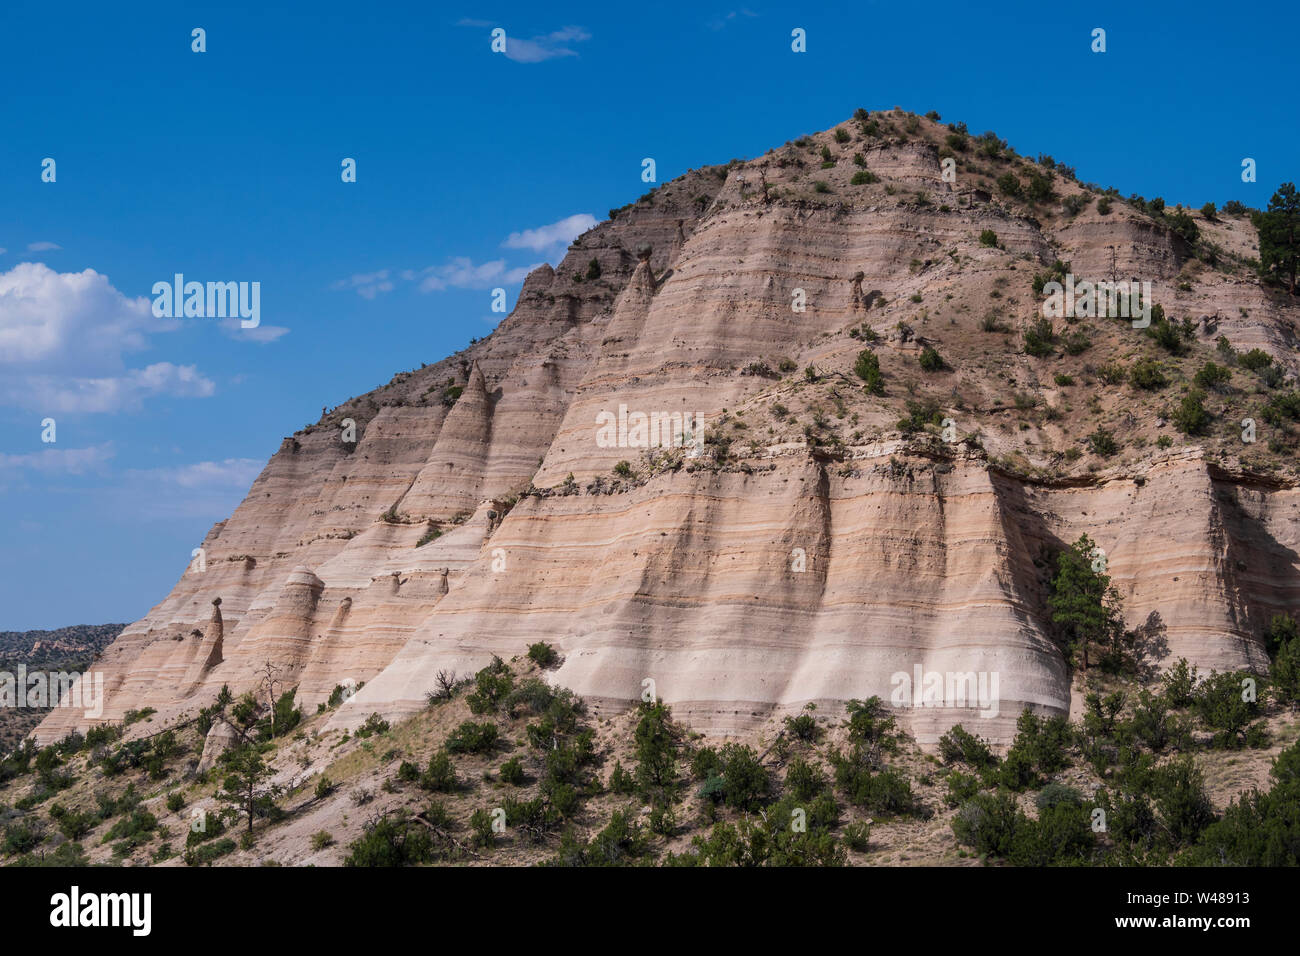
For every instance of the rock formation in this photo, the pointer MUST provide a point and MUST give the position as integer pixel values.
(813, 550)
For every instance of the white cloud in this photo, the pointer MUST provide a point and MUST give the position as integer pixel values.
(62, 394)
(59, 461)
(367, 284)
(718, 23)
(545, 238)
(237, 473)
(43, 246)
(545, 47)
(462, 273)
(63, 336)
(261, 334)
(536, 49)
(205, 489)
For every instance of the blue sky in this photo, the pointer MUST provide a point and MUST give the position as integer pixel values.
(472, 166)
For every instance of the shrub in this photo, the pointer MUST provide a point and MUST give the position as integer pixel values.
(1077, 342)
(1212, 376)
(1184, 225)
(867, 368)
(1167, 335)
(987, 823)
(821, 186)
(1009, 185)
(958, 745)
(1038, 750)
(1073, 205)
(864, 177)
(389, 843)
(321, 839)
(1060, 835)
(1039, 338)
(1190, 417)
(1180, 796)
(1221, 703)
(989, 238)
(745, 783)
(1254, 360)
(803, 727)
(920, 414)
(440, 776)
(857, 836)
(374, 724)
(512, 772)
(961, 788)
(1102, 443)
(1040, 188)
(1055, 794)
(1112, 373)
(543, 654)
(1179, 684)
(1257, 829)
(474, 738)
(656, 747)
(133, 829)
(931, 360)
(204, 855)
(1148, 374)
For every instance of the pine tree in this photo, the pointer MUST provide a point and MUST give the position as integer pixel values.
(1279, 234)
(1084, 605)
(245, 790)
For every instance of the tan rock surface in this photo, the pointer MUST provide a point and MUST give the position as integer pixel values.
(684, 574)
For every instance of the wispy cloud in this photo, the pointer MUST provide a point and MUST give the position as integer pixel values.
(235, 473)
(59, 461)
(367, 284)
(204, 489)
(43, 246)
(232, 327)
(720, 22)
(462, 273)
(537, 49)
(547, 238)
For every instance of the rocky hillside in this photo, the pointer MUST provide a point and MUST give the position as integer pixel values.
(838, 519)
(65, 649)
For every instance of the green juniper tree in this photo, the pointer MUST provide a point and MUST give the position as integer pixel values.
(1084, 605)
(246, 790)
(1279, 235)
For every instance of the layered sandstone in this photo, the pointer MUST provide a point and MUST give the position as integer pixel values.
(787, 562)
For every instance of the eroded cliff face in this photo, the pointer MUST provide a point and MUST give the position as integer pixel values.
(805, 550)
